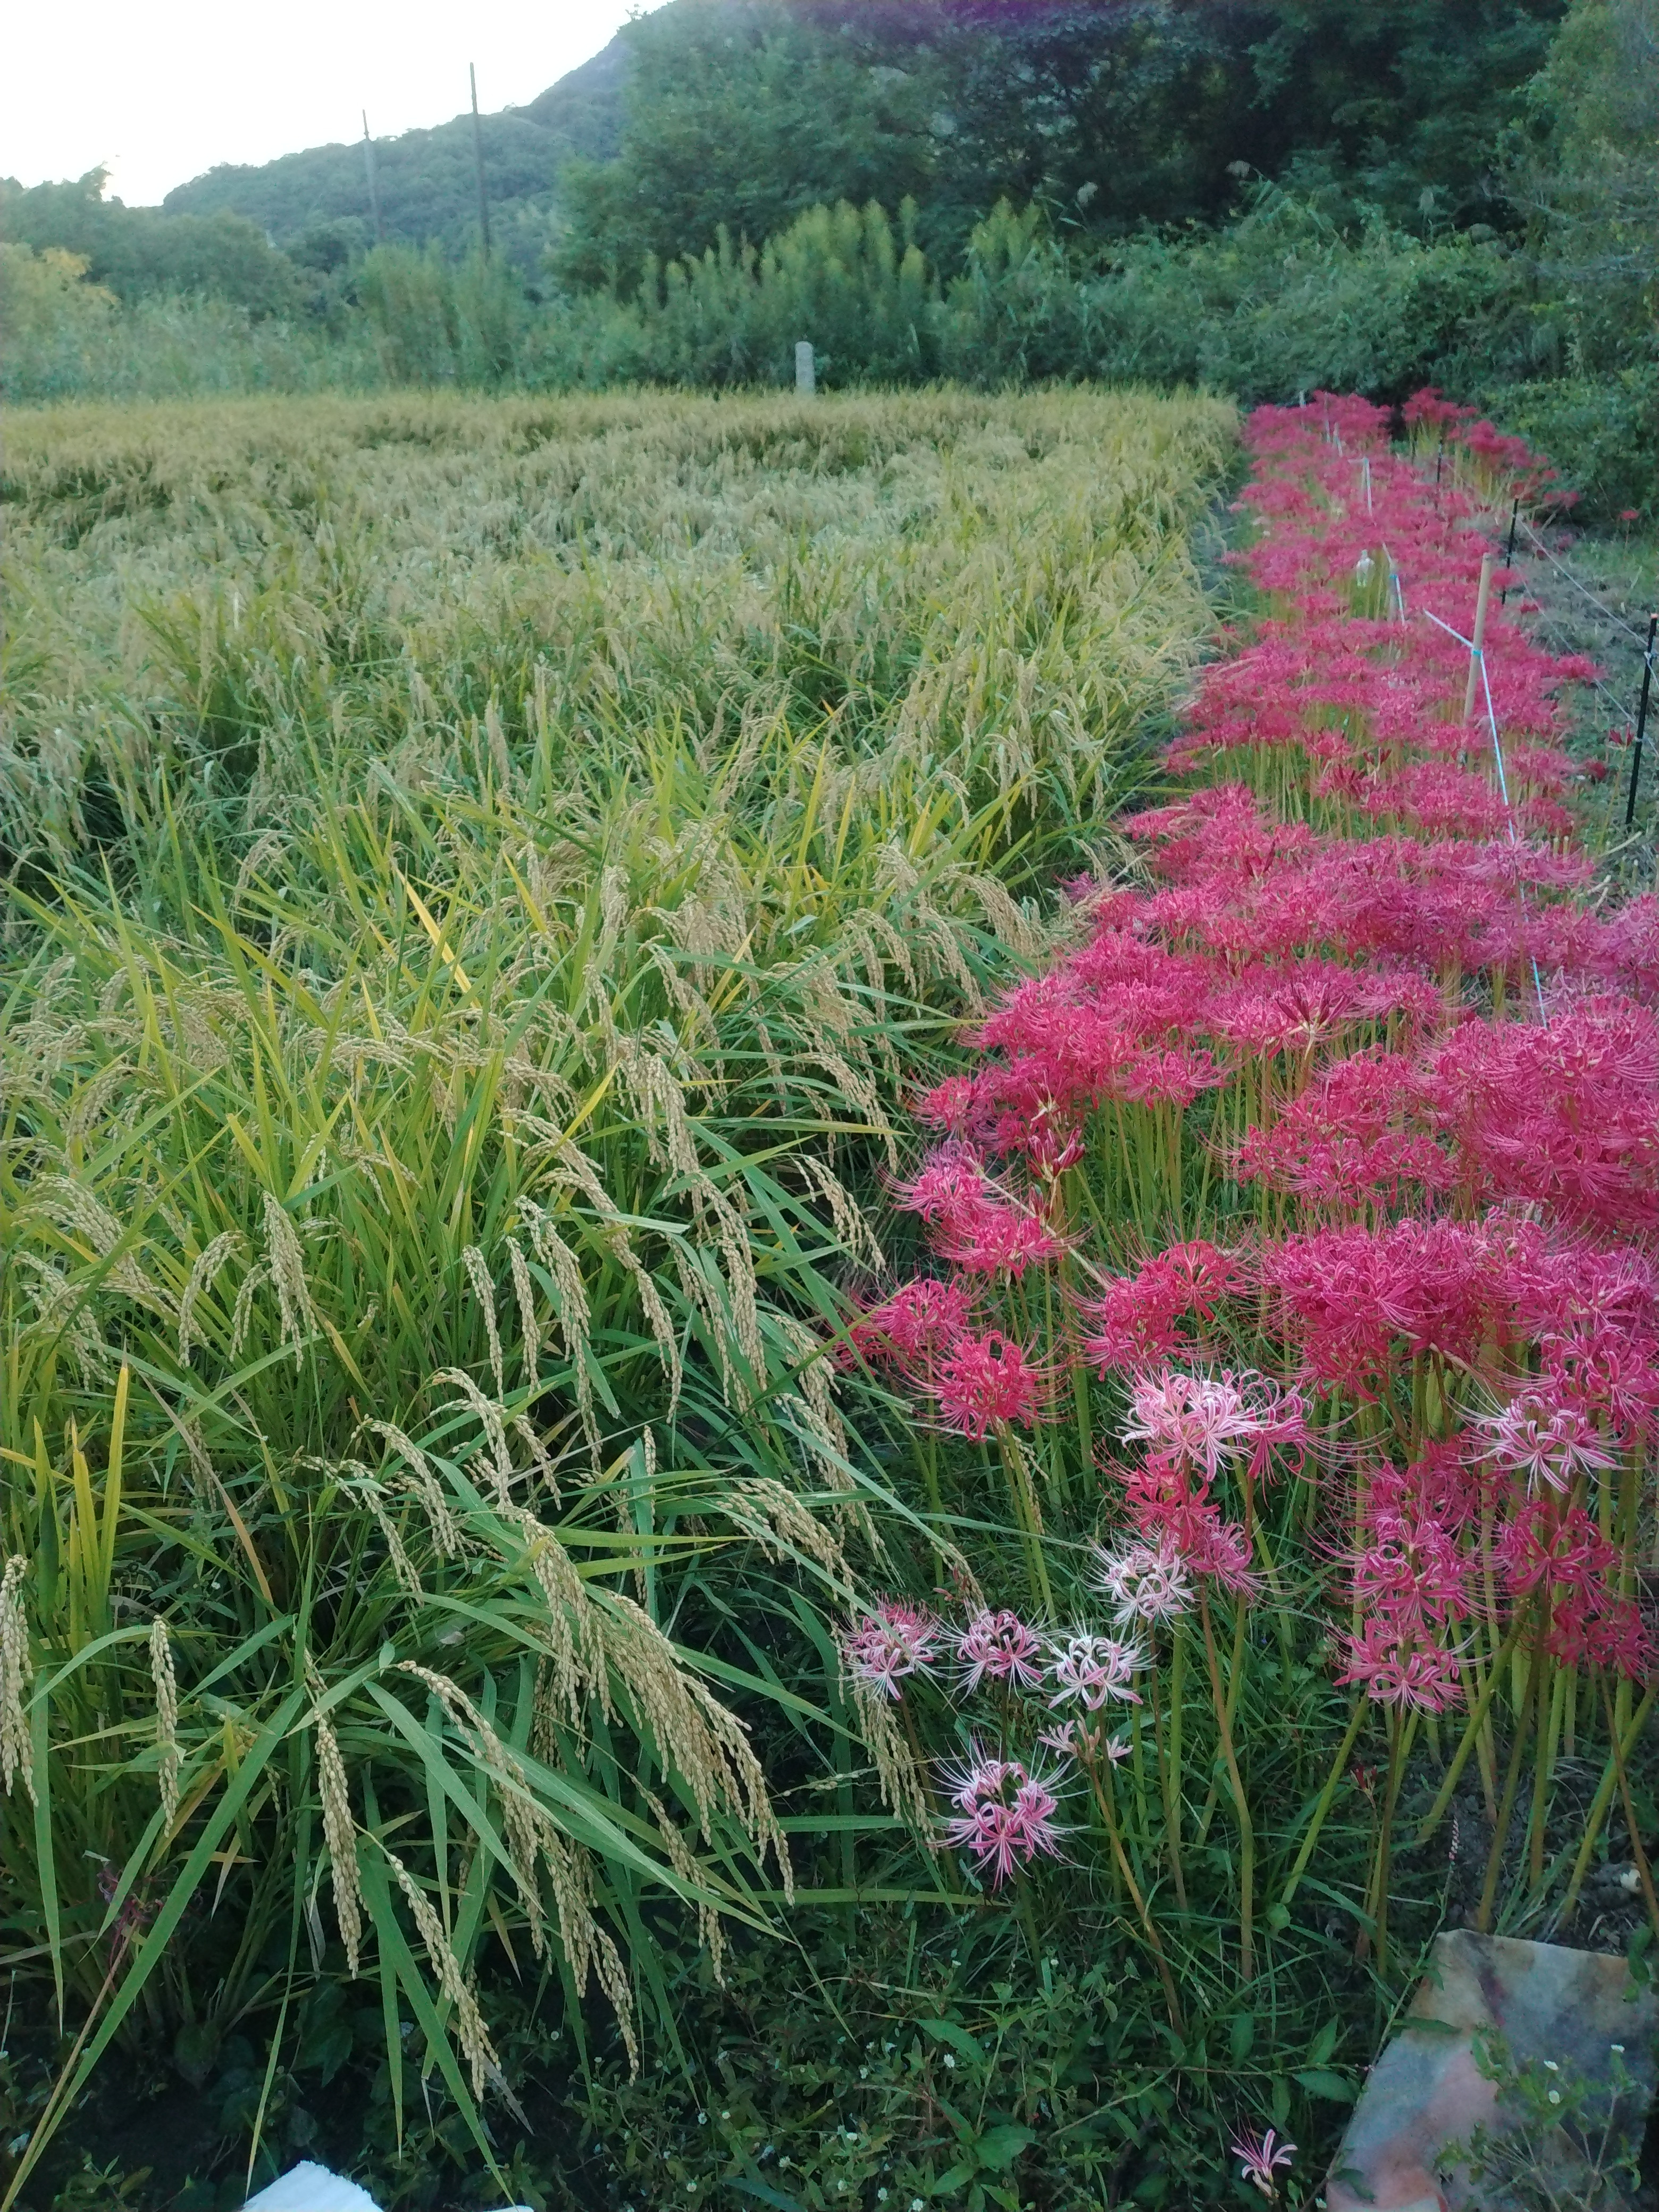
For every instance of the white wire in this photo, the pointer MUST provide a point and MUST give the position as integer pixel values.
(1515, 839)
(1480, 658)
(1467, 643)
(1605, 613)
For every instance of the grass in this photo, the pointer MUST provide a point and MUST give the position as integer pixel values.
(479, 877)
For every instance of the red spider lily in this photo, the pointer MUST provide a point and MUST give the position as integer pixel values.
(1411, 1575)
(1398, 1668)
(995, 1240)
(1353, 1300)
(1172, 1513)
(974, 1225)
(982, 1382)
(1358, 964)
(1136, 1317)
(920, 1321)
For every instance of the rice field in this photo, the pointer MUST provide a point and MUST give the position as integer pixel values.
(481, 880)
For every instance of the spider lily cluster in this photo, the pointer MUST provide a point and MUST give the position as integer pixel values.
(1293, 1250)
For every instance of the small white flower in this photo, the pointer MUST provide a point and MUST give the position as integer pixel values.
(950, 2060)
(1550, 2066)
(702, 2119)
(1619, 2047)
(726, 2116)
(1555, 2096)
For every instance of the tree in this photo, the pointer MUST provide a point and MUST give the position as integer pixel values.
(1112, 114)
(1586, 168)
(138, 252)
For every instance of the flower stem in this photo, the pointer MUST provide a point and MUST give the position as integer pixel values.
(1597, 1814)
(1385, 1839)
(1326, 1798)
(1460, 1757)
(1506, 1809)
(1171, 1802)
(1643, 1870)
(1245, 1831)
(1108, 1814)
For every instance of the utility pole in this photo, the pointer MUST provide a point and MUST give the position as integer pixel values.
(477, 159)
(374, 186)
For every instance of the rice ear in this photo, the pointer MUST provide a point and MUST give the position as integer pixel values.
(167, 1721)
(340, 1828)
(16, 1672)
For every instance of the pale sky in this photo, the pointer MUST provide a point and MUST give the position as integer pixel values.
(161, 91)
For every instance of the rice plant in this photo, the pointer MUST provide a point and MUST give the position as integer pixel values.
(480, 877)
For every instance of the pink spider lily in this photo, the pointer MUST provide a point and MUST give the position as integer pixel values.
(1092, 1670)
(1075, 1739)
(889, 1643)
(1206, 1420)
(998, 1647)
(1544, 1442)
(1260, 2158)
(1143, 1583)
(1007, 1815)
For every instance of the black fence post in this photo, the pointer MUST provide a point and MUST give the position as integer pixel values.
(1641, 719)
(1508, 552)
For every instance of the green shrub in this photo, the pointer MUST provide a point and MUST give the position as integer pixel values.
(1601, 432)
(62, 337)
(1283, 302)
(442, 322)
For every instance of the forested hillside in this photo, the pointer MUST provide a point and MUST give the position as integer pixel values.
(316, 203)
(1110, 113)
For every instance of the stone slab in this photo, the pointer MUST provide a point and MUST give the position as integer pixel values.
(1425, 2091)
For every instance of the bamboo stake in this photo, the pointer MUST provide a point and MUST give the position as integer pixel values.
(1478, 654)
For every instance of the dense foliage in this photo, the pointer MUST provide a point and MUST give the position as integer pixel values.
(138, 252)
(742, 113)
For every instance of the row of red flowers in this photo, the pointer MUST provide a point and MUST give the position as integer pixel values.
(1327, 1163)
